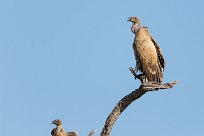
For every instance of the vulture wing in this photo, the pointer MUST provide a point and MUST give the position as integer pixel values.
(149, 59)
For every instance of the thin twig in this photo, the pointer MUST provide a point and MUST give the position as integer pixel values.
(92, 132)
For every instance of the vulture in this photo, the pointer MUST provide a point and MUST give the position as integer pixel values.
(59, 130)
(148, 55)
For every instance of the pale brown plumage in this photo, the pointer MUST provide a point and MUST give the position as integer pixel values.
(59, 130)
(148, 55)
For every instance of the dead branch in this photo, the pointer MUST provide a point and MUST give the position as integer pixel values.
(128, 99)
(92, 132)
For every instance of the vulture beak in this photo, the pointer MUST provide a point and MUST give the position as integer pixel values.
(52, 122)
(129, 19)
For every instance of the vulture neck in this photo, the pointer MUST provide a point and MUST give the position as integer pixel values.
(135, 27)
(59, 126)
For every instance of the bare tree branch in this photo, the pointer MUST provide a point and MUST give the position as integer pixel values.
(128, 99)
(92, 132)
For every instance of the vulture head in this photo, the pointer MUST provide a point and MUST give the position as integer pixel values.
(57, 122)
(136, 24)
(134, 20)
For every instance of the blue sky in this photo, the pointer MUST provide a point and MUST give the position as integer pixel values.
(69, 59)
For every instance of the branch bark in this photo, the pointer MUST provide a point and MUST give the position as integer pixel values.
(128, 99)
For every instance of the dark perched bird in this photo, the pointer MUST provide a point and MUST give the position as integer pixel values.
(59, 130)
(148, 55)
